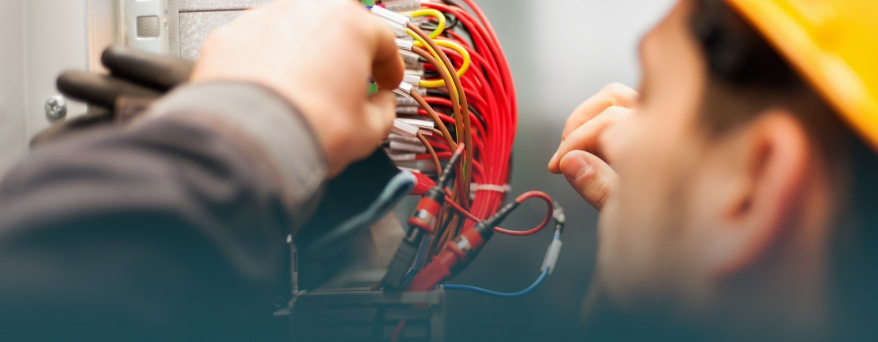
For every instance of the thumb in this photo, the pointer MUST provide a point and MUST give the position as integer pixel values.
(380, 113)
(590, 176)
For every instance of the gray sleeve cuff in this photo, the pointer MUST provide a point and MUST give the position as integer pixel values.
(263, 124)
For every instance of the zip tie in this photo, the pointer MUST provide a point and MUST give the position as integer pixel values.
(503, 189)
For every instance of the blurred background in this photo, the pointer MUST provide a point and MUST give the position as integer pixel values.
(560, 51)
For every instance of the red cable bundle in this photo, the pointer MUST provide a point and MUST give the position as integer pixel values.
(489, 86)
(487, 102)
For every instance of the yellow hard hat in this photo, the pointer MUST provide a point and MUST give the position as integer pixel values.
(833, 44)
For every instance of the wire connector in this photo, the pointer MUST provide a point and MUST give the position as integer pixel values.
(403, 6)
(411, 59)
(411, 78)
(552, 254)
(404, 129)
(405, 44)
(559, 216)
(396, 21)
(404, 89)
(397, 146)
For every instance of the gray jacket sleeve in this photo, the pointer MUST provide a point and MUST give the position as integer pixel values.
(171, 229)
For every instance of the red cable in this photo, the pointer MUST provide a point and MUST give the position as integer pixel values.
(397, 333)
(550, 208)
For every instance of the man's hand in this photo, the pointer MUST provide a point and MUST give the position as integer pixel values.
(319, 55)
(580, 157)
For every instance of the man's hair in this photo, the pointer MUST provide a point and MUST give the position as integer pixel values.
(746, 77)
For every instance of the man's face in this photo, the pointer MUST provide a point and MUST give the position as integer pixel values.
(652, 228)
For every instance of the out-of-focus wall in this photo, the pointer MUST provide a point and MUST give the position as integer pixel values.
(38, 39)
(561, 52)
(12, 122)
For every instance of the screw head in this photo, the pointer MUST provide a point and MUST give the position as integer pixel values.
(56, 107)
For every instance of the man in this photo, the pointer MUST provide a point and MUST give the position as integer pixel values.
(738, 185)
(737, 188)
(174, 228)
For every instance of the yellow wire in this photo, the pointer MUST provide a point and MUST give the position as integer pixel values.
(433, 83)
(429, 12)
(467, 61)
(452, 89)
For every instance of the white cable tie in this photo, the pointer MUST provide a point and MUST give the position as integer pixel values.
(503, 189)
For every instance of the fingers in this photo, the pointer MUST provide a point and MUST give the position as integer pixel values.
(586, 136)
(387, 65)
(99, 90)
(379, 115)
(381, 111)
(153, 70)
(615, 94)
(590, 176)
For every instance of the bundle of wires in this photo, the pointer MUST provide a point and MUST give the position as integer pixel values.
(460, 91)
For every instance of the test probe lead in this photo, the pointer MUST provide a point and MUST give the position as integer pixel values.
(421, 223)
(458, 95)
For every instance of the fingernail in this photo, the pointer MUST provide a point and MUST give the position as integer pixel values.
(583, 166)
(554, 156)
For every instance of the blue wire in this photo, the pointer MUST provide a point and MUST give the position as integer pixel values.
(529, 289)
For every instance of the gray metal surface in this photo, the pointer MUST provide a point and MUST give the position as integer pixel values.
(39, 39)
(218, 5)
(13, 120)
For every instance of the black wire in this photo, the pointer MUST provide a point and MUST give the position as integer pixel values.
(450, 24)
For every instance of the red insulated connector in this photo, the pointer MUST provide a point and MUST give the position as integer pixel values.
(434, 273)
(456, 253)
(422, 185)
(425, 213)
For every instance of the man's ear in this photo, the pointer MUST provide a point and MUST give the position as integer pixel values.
(773, 158)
